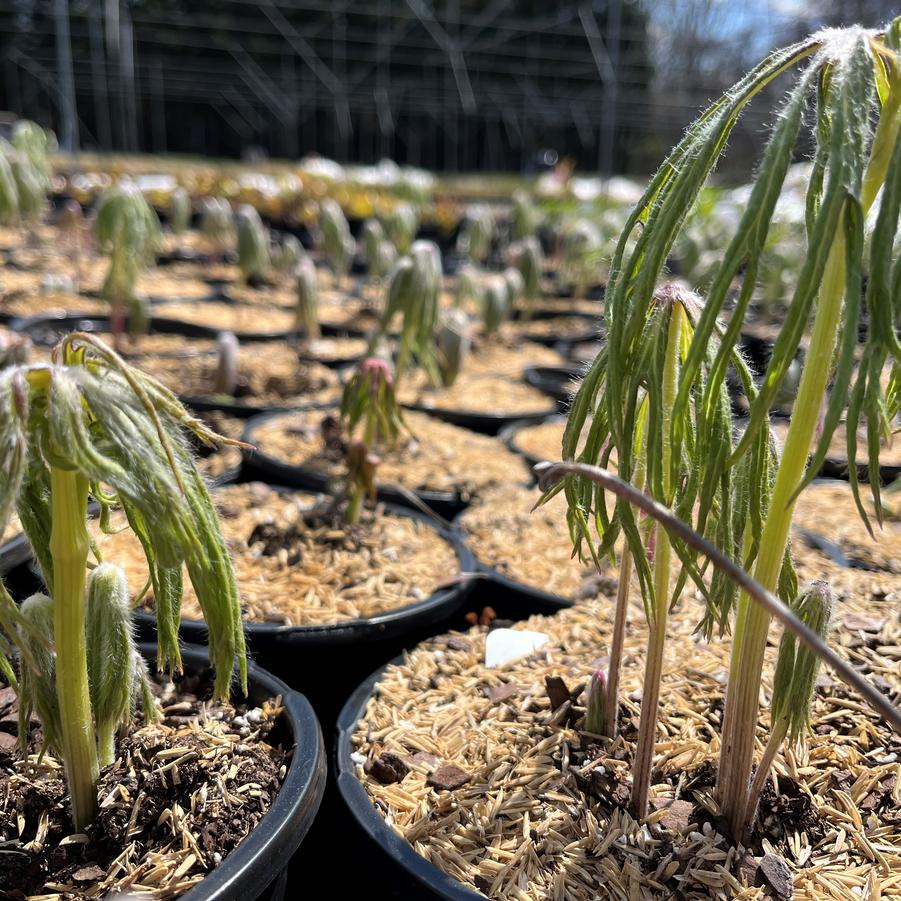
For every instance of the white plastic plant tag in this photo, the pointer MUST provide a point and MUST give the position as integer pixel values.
(504, 645)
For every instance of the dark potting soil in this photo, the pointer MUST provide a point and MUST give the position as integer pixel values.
(180, 796)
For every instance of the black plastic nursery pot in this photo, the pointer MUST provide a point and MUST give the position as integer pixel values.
(447, 504)
(377, 847)
(485, 423)
(14, 552)
(326, 662)
(511, 432)
(258, 867)
(554, 381)
(49, 330)
(590, 333)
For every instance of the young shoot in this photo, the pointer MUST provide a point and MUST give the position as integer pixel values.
(477, 233)
(369, 401)
(90, 426)
(596, 705)
(646, 387)
(253, 245)
(337, 244)
(401, 225)
(307, 312)
(127, 231)
(794, 685)
(413, 293)
(454, 342)
(179, 210)
(526, 256)
(217, 224)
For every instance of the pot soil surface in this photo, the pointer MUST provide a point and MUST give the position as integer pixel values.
(180, 796)
(502, 354)
(238, 318)
(483, 393)
(301, 565)
(529, 546)
(504, 792)
(430, 455)
(269, 374)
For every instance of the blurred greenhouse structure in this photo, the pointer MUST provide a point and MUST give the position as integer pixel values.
(451, 85)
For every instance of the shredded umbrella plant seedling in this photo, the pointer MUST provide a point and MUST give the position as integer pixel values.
(299, 564)
(537, 808)
(179, 796)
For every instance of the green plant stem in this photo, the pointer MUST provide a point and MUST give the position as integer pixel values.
(650, 699)
(69, 549)
(777, 736)
(742, 694)
(611, 709)
(620, 617)
(355, 499)
(106, 743)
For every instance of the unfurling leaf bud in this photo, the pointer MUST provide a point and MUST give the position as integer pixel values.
(596, 713)
(111, 654)
(337, 243)
(179, 210)
(526, 256)
(253, 243)
(37, 677)
(288, 255)
(516, 286)
(468, 288)
(495, 304)
(796, 667)
(372, 234)
(227, 350)
(307, 313)
(454, 341)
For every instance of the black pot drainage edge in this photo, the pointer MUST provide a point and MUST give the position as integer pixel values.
(257, 868)
(447, 504)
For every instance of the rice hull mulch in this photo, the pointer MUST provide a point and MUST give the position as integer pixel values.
(539, 807)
